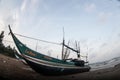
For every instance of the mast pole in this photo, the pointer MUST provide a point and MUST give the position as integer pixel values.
(63, 45)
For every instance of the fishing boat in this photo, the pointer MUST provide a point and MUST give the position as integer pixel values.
(47, 65)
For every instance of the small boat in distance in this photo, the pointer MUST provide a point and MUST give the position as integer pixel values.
(47, 65)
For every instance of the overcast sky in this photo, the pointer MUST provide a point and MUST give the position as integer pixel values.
(95, 23)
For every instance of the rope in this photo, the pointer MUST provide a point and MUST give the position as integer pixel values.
(38, 39)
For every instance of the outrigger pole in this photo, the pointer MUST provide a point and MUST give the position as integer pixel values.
(77, 51)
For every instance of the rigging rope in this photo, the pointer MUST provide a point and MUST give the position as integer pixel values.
(38, 39)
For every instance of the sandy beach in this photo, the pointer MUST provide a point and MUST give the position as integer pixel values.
(13, 69)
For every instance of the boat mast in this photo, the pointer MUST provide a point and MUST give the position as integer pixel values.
(67, 46)
(63, 43)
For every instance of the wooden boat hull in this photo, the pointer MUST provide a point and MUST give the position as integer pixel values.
(44, 64)
(48, 70)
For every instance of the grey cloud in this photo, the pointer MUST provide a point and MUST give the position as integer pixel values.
(119, 35)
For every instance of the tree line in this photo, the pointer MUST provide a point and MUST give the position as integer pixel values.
(8, 51)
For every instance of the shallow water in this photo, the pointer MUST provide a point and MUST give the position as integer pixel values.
(105, 64)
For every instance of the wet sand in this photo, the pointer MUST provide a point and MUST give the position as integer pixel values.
(12, 69)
